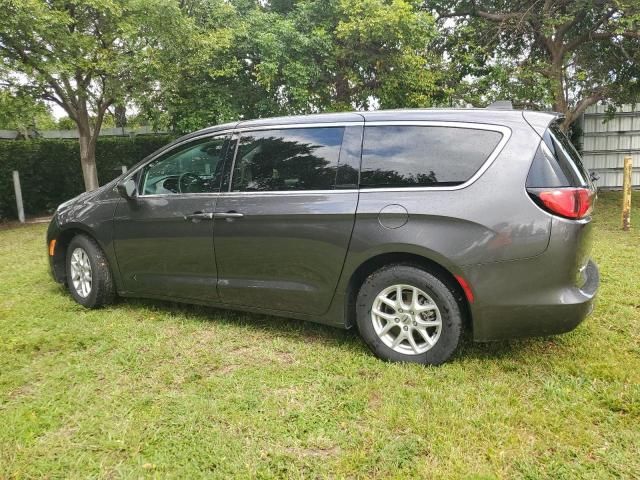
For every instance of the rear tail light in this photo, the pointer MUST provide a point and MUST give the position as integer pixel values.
(573, 203)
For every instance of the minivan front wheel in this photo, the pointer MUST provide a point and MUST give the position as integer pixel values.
(88, 274)
(407, 314)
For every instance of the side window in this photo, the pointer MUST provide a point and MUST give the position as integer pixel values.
(414, 156)
(191, 168)
(287, 159)
(556, 163)
(568, 158)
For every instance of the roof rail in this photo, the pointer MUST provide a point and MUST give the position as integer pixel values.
(501, 105)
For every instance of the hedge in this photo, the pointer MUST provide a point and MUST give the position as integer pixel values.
(50, 171)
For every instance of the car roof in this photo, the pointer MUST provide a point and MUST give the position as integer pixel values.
(470, 115)
(302, 119)
(477, 115)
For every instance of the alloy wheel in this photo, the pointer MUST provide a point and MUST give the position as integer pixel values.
(81, 275)
(406, 319)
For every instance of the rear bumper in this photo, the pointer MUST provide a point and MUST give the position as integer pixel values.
(525, 304)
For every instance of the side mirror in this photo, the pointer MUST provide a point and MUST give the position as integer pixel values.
(127, 188)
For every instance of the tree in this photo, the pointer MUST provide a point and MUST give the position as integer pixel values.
(84, 55)
(566, 54)
(24, 114)
(378, 52)
(258, 59)
(197, 85)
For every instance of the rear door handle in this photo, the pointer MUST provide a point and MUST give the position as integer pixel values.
(198, 216)
(228, 215)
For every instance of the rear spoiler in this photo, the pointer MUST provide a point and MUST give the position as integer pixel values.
(540, 121)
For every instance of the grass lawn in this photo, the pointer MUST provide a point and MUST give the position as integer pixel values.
(152, 389)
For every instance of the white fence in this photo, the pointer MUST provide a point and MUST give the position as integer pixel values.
(606, 141)
(104, 132)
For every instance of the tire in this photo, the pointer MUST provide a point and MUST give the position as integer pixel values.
(435, 331)
(100, 289)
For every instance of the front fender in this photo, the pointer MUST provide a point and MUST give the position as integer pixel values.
(90, 213)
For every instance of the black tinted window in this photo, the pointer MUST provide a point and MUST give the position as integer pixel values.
(567, 156)
(556, 163)
(411, 156)
(287, 159)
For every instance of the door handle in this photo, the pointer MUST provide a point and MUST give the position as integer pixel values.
(228, 215)
(197, 216)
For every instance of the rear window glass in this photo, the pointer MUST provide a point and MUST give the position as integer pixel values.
(557, 163)
(414, 156)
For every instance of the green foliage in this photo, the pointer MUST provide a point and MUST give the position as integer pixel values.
(256, 60)
(382, 53)
(192, 72)
(187, 64)
(50, 169)
(86, 55)
(65, 123)
(565, 55)
(191, 63)
(85, 51)
(23, 113)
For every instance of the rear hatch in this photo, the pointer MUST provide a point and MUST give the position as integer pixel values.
(560, 185)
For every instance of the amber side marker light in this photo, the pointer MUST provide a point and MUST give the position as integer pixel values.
(52, 247)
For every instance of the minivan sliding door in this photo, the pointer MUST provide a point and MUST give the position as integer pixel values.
(282, 232)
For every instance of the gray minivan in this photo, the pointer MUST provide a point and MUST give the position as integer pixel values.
(410, 225)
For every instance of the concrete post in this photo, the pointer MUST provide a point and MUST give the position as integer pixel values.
(18, 190)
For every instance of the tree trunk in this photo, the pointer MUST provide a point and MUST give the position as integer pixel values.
(87, 150)
(567, 122)
(121, 116)
(88, 161)
(342, 99)
(557, 79)
(560, 103)
(87, 147)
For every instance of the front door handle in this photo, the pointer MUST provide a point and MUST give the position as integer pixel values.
(228, 215)
(198, 216)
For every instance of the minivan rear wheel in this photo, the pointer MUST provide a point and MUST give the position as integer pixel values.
(407, 314)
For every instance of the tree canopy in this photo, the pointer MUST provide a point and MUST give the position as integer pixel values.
(562, 54)
(185, 64)
(279, 58)
(84, 55)
(24, 114)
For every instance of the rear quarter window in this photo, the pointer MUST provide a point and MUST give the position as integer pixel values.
(557, 163)
(415, 156)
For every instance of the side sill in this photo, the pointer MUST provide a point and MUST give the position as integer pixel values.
(224, 306)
